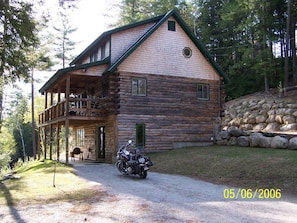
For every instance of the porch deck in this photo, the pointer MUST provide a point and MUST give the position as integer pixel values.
(78, 108)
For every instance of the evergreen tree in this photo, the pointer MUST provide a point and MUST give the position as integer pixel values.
(17, 34)
(135, 10)
(64, 44)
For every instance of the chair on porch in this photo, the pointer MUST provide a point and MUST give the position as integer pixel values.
(77, 151)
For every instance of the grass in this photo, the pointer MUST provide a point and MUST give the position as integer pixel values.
(35, 184)
(233, 166)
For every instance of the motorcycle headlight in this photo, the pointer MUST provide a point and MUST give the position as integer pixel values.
(141, 160)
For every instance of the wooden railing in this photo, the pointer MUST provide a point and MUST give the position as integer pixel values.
(79, 107)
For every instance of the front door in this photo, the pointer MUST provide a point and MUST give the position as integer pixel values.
(100, 142)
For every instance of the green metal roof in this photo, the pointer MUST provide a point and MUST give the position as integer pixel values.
(107, 34)
(61, 72)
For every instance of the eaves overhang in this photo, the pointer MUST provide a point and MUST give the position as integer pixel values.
(107, 34)
(61, 72)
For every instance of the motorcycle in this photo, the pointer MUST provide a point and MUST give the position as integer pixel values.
(132, 163)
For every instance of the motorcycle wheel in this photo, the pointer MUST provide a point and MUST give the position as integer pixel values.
(143, 174)
(120, 167)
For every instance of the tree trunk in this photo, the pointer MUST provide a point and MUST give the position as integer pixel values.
(33, 114)
(288, 47)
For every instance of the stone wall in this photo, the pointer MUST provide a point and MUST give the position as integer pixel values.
(233, 136)
(260, 120)
(266, 114)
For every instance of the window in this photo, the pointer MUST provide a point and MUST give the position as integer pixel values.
(203, 91)
(102, 52)
(140, 135)
(94, 57)
(139, 86)
(187, 52)
(80, 137)
(171, 25)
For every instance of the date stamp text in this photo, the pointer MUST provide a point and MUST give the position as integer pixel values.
(259, 193)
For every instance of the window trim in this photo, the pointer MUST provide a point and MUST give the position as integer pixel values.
(80, 137)
(138, 91)
(187, 52)
(142, 126)
(171, 25)
(205, 92)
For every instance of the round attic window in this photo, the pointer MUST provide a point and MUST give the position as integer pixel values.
(187, 52)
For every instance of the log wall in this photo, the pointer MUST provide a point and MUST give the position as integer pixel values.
(171, 110)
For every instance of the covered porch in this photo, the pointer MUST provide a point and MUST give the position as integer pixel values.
(76, 98)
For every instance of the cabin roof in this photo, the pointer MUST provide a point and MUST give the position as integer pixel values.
(159, 20)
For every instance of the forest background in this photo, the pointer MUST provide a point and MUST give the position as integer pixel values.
(253, 41)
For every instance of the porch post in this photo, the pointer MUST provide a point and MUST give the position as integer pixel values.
(58, 142)
(38, 144)
(51, 142)
(67, 118)
(44, 142)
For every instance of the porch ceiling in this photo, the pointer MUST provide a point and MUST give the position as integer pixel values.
(78, 83)
(80, 72)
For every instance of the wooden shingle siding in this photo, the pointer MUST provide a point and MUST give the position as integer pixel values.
(122, 41)
(162, 53)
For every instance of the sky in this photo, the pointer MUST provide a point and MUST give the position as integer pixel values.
(90, 20)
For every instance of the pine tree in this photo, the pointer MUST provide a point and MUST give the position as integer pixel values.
(18, 33)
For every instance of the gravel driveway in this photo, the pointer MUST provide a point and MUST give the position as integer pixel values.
(159, 198)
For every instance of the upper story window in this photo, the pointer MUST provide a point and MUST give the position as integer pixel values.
(94, 57)
(139, 86)
(103, 52)
(171, 25)
(203, 91)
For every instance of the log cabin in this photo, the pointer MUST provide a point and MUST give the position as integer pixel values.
(151, 81)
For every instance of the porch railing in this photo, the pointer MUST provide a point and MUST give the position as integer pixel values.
(79, 107)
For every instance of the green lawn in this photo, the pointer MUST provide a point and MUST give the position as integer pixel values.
(40, 182)
(233, 166)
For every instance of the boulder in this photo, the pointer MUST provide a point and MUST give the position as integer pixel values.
(261, 118)
(243, 141)
(279, 119)
(265, 142)
(234, 131)
(246, 127)
(235, 121)
(289, 119)
(272, 127)
(279, 142)
(232, 141)
(254, 139)
(293, 143)
(289, 127)
(294, 113)
(270, 119)
(250, 120)
(224, 135)
(259, 127)
(266, 106)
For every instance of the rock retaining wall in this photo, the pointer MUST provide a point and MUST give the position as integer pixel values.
(266, 115)
(260, 120)
(234, 136)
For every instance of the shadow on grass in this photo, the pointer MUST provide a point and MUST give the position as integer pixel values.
(13, 211)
